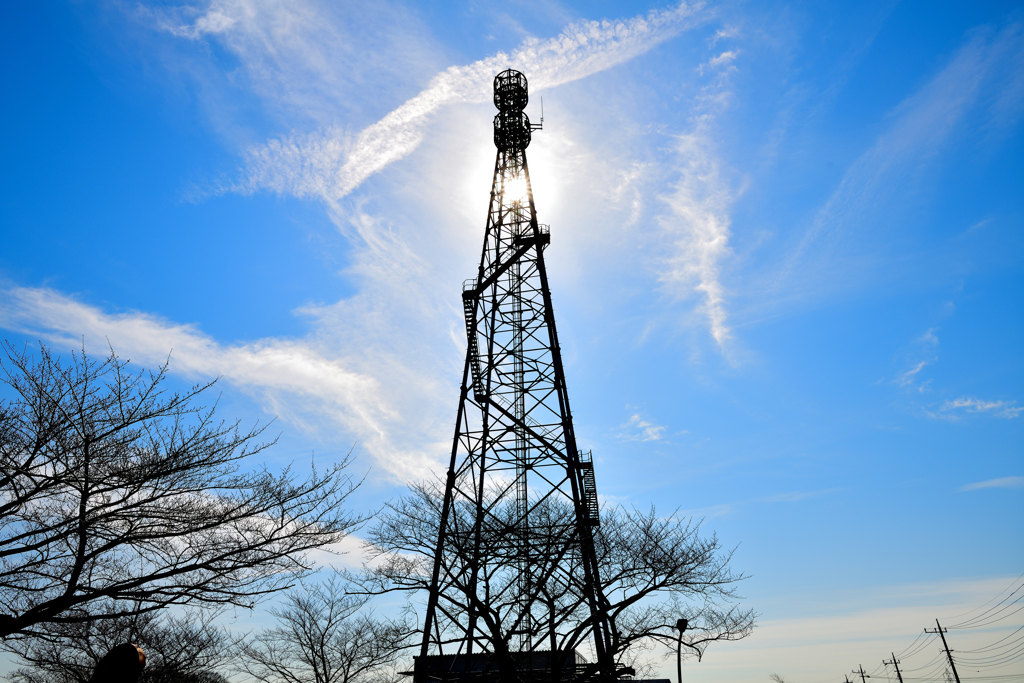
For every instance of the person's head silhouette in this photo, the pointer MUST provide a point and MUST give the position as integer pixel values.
(123, 664)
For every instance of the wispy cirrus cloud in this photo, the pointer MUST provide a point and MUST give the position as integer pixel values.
(967, 404)
(329, 164)
(857, 624)
(920, 353)
(304, 381)
(875, 186)
(908, 377)
(308, 60)
(1000, 483)
(639, 429)
(377, 362)
(332, 161)
(698, 223)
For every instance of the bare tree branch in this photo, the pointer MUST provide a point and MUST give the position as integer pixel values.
(654, 570)
(324, 636)
(183, 649)
(114, 491)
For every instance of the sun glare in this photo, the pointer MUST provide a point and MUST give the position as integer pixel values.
(515, 189)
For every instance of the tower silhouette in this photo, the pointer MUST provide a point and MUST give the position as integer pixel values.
(515, 588)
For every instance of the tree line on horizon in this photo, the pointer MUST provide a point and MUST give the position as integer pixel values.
(131, 513)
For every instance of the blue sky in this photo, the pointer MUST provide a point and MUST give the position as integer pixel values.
(786, 259)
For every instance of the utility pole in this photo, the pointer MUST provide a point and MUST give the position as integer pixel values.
(860, 670)
(949, 653)
(896, 663)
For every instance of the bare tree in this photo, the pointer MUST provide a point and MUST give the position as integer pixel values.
(179, 649)
(653, 571)
(118, 495)
(776, 678)
(324, 636)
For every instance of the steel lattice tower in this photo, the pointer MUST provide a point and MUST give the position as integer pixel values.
(515, 576)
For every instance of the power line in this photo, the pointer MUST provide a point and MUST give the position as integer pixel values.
(968, 623)
(1007, 649)
(989, 647)
(995, 656)
(934, 659)
(924, 643)
(995, 660)
(996, 597)
(992, 662)
(974, 678)
(919, 636)
(993, 621)
(940, 670)
(877, 670)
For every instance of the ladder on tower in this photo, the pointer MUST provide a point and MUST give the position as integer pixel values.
(469, 296)
(590, 503)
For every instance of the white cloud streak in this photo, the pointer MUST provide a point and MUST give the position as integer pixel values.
(909, 376)
(700, 223)
(879, 180)
(330, 164)
(299, 380)
(377, 364)
(1006, 409)
(698, 226)
(868, 622)
(642, 430)
(309, 59)
(1000, 483)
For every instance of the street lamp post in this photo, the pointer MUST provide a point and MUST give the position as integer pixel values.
(681, 624)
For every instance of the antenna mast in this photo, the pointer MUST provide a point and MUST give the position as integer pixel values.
(515, 571)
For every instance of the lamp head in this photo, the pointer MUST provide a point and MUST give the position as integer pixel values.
(682, 625)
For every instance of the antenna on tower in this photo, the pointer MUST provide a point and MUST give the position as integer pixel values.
(539, 126)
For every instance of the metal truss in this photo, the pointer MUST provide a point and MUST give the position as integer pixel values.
(515, 569)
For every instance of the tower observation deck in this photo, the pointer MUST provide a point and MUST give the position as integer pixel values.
(515, 587)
